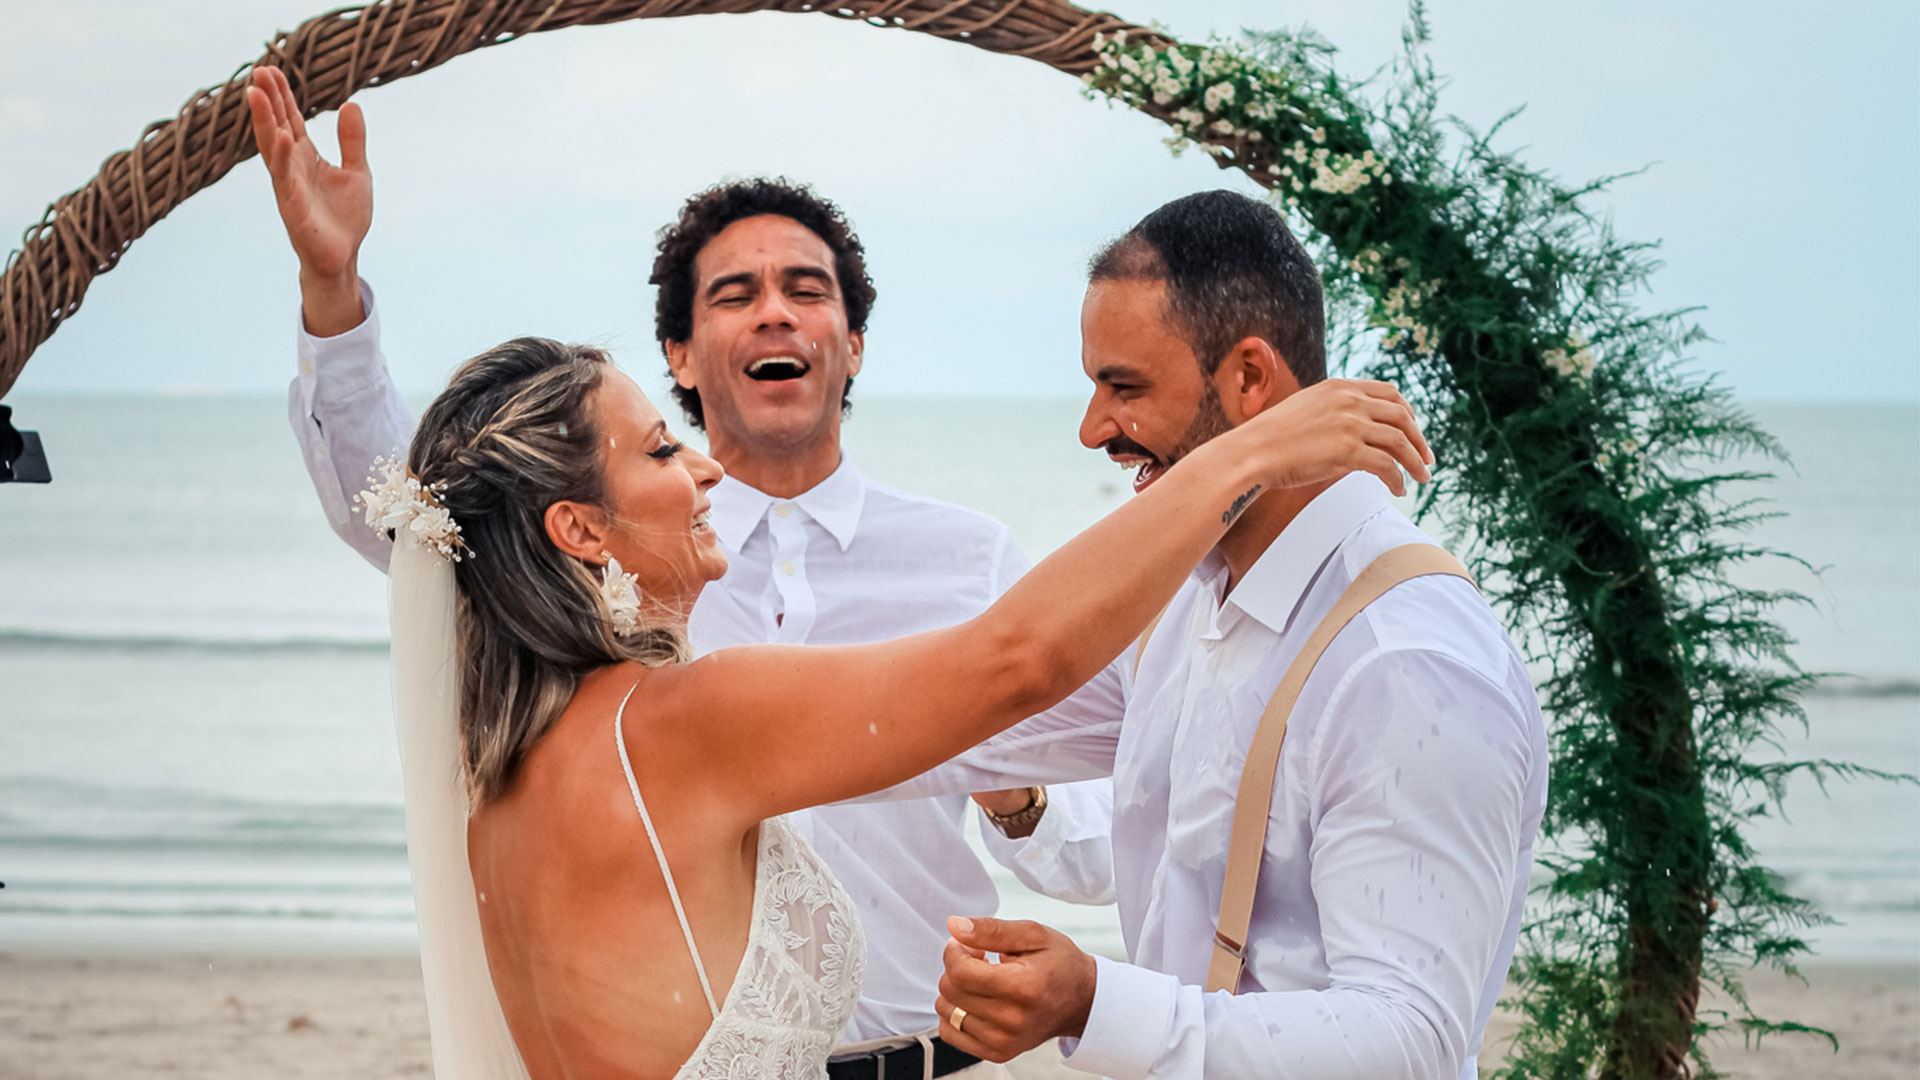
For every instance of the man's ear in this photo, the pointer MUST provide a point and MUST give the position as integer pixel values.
(577, 529)
(680, 364)
(856, 349)
(1252, 379)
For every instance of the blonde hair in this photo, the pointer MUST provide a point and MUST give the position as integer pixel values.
(512, 434)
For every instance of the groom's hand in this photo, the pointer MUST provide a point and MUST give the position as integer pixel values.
(327, 209)
(1042, 987)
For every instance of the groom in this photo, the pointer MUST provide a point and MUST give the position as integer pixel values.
(763, 298)
(1389, 884)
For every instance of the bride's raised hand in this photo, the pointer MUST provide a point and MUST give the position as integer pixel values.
(1335, 427)
(326, 208)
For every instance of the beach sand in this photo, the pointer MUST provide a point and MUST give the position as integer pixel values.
(223, 1018)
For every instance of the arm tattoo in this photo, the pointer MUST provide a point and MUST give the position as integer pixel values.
(1240, 505)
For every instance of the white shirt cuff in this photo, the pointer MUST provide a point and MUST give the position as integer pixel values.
(338, 367)
(1033, 850)
(1129, 1025)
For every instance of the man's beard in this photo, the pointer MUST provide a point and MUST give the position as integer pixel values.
(1209, 422)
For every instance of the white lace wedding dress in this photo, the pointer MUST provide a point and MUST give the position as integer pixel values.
(800, 975)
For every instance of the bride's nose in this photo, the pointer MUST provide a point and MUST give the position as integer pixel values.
(706, 471)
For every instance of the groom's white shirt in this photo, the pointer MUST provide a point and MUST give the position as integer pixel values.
(1412, 782)
(847, 562)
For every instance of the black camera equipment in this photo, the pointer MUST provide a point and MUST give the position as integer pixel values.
(22, 459)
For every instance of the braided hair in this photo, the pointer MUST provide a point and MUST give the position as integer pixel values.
(512, 434)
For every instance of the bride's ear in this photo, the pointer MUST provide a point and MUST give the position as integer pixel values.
(577, 529)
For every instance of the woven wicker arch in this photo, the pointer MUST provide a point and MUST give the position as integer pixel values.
(330, 57)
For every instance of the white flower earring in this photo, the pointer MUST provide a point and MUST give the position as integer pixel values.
(622, 596)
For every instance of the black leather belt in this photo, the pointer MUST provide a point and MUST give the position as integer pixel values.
(900, 1063)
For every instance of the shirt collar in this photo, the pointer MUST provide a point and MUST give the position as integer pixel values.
(1273, 586)
(836, 502)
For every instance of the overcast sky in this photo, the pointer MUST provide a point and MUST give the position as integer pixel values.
(518, 191)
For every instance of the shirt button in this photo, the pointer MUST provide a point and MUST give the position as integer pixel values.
(782, 511)
(787, 568)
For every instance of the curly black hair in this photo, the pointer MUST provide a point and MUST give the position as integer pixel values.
(712, 210)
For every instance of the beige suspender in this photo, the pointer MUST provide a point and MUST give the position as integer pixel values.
(1254, 802)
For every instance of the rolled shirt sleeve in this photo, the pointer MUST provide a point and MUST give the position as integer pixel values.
(1419, 773)
(346, 412)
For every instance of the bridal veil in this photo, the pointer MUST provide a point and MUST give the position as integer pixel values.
(468, 1030)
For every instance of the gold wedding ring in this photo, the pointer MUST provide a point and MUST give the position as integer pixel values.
(958, 1018)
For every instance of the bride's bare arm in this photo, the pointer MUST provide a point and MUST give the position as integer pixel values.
(775, 728)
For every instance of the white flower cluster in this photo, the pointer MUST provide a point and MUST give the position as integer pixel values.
(1221, 95)
(1574, 363)
(1337, 174)
(1398, 313)
(1207, 88)
(1373, 262)
(397, 500)
(1624, 450)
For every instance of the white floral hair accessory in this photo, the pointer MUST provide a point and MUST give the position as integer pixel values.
(622, 596)
(398, 500)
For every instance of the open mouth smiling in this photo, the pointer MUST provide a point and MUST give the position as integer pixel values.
(777, 369)
(1146, 469)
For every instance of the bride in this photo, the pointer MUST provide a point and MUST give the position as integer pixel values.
(636, 905)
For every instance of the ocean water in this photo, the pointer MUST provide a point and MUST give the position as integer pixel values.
(196, 749)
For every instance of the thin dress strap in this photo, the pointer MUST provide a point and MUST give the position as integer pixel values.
(620, 741)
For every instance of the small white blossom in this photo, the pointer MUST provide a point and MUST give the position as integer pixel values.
(1182, 63)
(1219, 96)
(1223, 127)
(1319, 134)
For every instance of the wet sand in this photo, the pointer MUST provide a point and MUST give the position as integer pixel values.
(224, 1018)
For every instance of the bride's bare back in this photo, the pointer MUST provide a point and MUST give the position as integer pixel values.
(586, 952)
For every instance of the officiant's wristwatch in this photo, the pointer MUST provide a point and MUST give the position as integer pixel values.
(1021, 823)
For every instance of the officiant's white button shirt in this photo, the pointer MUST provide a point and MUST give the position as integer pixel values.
(850, 562)
(1411, 785)
(847, 563)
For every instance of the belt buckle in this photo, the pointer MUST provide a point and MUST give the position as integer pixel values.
(880, 1059)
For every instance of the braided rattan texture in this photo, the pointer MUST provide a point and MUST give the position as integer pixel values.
(330, 57)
